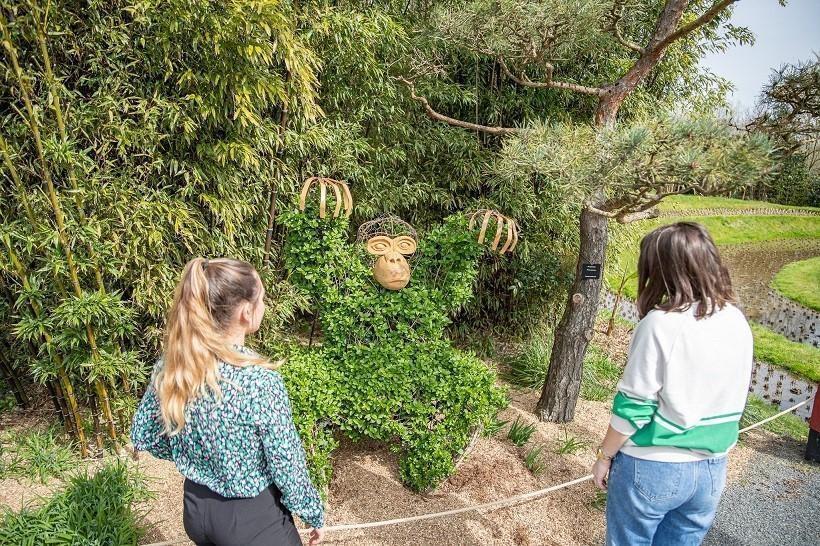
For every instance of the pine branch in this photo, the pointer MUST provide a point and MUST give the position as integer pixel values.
(550, 83)
(432, 114)
(615, 17)
(704, 19)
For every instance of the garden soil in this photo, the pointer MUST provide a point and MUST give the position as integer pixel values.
(366, 485)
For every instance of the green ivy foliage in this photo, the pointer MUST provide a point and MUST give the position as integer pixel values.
(385, 370)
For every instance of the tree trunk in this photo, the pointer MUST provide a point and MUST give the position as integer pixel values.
(563, 384)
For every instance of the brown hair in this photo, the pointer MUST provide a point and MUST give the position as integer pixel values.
(204, 303)
(680, 266)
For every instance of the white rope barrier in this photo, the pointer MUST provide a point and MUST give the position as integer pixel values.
(516, 499)
(775, 416)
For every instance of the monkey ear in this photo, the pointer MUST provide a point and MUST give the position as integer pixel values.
(404, 244)
(379, 245)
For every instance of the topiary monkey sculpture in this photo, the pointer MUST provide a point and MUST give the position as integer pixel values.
(385, 369)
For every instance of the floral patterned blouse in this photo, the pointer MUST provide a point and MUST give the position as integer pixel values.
(237, 445)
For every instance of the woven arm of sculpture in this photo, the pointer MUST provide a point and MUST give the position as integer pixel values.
(448, 261)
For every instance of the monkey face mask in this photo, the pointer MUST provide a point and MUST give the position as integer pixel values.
(391, 269)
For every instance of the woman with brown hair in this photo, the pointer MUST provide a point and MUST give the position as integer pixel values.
(679, 402)
(221, 413)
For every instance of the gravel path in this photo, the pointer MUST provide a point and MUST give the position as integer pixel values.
(775, 500)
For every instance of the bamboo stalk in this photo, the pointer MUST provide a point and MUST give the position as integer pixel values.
(55, 393)
(11, 377)
(61, 128)
(100, 388)
(62, 376)
(95, 417)
(58, 115)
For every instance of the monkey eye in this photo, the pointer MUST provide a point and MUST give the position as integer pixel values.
(379, 245)
(404, 244)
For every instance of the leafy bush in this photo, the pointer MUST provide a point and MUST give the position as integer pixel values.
(93, 510)
(520, 432)
(38, 455)
(385, 370)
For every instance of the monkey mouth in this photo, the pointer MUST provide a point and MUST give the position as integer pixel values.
(396, 282)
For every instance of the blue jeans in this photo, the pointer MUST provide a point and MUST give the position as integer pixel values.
(655, 503)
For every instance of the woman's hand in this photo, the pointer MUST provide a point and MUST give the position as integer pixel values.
(600, 472)
(316, 536)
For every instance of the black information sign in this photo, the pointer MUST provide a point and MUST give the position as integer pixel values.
(590, 271)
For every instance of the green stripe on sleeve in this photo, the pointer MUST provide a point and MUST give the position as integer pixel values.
(715, 438)
(635, 410)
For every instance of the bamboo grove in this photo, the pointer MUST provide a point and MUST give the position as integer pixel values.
(117, 173)
(136, 134)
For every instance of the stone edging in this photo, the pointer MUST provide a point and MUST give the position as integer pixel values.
(687, 213)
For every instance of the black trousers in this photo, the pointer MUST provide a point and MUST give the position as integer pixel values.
(213, 520)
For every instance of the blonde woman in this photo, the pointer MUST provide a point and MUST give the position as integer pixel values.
(221, 413)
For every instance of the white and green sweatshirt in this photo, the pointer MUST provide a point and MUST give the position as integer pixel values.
(685, 385)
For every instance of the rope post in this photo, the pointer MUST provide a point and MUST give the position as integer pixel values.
(813, 444)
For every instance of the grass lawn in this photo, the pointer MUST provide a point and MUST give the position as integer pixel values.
(725, 230)
(694, 202)
(799, 358)
(758, 409)
(800, 281)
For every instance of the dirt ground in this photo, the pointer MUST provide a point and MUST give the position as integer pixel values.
(366, 485)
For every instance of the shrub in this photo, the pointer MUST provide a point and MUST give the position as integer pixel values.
(93, 510)
(385, 370)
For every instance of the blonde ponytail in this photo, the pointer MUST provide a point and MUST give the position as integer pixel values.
(204, 303)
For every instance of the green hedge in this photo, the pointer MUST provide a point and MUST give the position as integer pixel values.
(385, 371)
